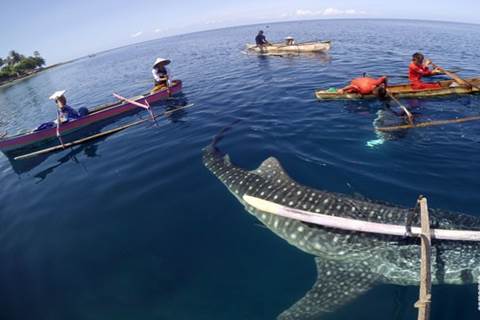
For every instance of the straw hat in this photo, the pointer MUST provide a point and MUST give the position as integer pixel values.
(57, 94)
(161, 60)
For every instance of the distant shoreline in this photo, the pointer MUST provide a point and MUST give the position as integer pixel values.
(16, 80)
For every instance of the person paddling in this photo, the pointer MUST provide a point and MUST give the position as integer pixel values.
(65, 113)
(160, 73)
(418, 68)
(261, 40)
(366, 86)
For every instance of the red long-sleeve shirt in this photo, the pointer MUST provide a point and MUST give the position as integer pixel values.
(415, 74)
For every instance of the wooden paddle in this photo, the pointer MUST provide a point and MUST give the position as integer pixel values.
(455, 77)
(408, 113)
(57, 132)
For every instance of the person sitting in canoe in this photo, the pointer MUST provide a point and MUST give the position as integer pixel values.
(160, 73)
(65, 113)
(261, 40)
(365, 86)
(289, 41)
(417, 69)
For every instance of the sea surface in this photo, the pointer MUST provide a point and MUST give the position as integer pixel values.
(135, 227)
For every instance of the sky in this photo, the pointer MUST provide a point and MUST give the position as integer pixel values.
(63, 29)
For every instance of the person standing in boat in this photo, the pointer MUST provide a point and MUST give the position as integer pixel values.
(160, 73)
(261, 40)
(418, 68)
(365, 86)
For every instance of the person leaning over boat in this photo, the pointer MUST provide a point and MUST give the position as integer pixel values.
(261, 40)
(160, 73)
(365, 86)
(417, 69)
(65, 113)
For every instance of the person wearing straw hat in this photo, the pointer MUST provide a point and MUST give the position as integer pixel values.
(160, 73)
(289, 41)
(65, 113)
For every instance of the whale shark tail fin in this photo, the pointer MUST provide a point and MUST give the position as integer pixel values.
(338, 282)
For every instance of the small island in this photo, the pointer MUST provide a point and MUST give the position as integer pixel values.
(17, 66)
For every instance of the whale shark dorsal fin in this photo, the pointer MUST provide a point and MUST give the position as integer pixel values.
(338, 282)
(272, 169)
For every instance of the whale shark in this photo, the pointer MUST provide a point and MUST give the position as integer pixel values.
(348, 263)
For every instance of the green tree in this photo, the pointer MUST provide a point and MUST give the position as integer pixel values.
(2, 62)
(14, 57)
(36, 54)
(39, 61)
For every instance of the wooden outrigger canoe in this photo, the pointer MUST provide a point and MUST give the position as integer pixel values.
(34, 140)
(314, 46)
(406, 91)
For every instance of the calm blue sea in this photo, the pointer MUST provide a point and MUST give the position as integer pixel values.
(134, 227)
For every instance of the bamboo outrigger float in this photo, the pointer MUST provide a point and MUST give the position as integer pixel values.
(448, 87)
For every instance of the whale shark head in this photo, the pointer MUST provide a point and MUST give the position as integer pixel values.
(348, 263)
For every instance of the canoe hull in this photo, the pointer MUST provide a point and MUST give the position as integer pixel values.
(14, 145)
(405, 91)
(322, 46)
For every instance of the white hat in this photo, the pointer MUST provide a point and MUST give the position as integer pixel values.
(161, 60)
(57, 94)
(289, 38)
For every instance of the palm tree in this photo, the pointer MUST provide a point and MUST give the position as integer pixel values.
(14, 57)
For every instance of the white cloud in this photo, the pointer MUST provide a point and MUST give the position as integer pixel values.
(137, 34)
(157, 30)
(333, 12)
(328, 12)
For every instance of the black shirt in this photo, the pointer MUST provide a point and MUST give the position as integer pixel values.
(260, 39)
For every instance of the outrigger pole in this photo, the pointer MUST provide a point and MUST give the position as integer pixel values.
(357, 225)
(427, 124)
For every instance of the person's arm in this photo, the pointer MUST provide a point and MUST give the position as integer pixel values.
(349, 88)
(156, 76)
(381, 80)
(423, 71)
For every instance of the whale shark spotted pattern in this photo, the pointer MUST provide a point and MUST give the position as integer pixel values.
(348, 263)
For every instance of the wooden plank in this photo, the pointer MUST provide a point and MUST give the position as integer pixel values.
(355, 225)
(423, 303)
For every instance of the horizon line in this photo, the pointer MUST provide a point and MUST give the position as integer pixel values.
(259, 23)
